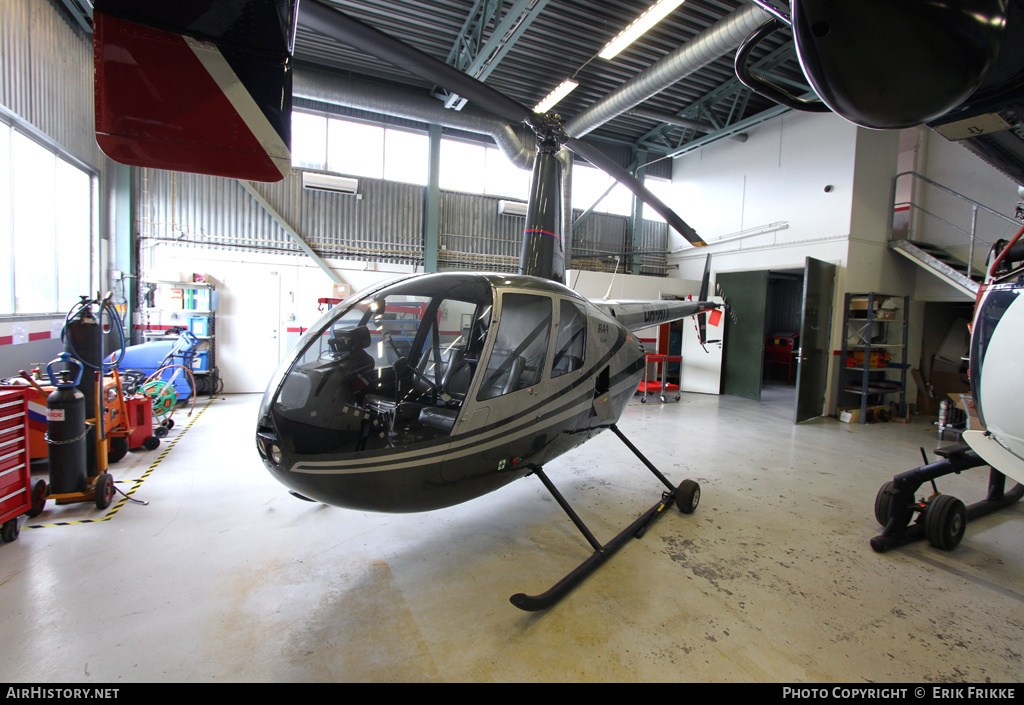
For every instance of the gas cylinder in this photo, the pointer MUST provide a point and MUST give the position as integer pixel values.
(65, 427)
(83, 339)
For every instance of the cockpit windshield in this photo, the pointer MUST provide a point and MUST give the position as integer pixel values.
(390, 369)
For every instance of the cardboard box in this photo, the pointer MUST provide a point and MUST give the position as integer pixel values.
(852, 414)
(941, 384)
(965, 402)
(860, 303)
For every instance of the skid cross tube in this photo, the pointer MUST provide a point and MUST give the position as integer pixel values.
(533, 603)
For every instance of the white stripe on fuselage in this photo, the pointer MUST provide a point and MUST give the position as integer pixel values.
(471, 444)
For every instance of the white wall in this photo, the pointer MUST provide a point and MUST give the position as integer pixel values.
(959, 169)
(776, 181)
(264, 300)
(778, 176)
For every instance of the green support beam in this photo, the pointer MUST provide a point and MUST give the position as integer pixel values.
(432, 207)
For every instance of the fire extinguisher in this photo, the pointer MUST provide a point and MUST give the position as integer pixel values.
(66, 429)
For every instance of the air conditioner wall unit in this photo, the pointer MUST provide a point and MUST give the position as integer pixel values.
(517, 208)
(329, 182)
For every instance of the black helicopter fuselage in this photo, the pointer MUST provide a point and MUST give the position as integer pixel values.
(435, 389)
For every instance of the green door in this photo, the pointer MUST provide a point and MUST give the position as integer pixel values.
(743, 357)
(815, 339)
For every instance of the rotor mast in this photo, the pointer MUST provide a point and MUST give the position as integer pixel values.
(543, 253)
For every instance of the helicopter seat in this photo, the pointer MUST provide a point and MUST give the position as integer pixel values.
(457, 376)
(502, 374)
(441, 418)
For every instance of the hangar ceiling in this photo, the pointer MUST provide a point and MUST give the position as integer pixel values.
(539, 43)
(525, 48)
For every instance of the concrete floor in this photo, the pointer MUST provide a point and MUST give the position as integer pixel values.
(223, 576)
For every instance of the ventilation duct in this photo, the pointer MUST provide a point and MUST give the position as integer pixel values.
(700, 51)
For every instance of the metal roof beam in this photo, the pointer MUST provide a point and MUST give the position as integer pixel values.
(700, 110)
(478, 57)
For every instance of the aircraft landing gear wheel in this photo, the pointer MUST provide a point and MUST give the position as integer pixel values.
(104, 490)
(688, 496)
(945, 522)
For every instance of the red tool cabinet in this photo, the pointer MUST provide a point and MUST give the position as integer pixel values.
(15, 480)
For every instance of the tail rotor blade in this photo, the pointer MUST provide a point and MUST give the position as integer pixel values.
(609, 166)
(702, 318)
(705, 282)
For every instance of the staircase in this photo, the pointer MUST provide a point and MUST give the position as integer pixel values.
(940, 263)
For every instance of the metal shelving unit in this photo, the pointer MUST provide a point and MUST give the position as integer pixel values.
(875, 331)
(198, 300)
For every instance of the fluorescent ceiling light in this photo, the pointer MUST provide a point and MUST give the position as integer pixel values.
(652, 16)
(564, 89)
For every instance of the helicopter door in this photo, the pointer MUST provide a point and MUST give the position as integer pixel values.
(520, 348)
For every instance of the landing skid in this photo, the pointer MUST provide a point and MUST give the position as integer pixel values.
(942, 519)
(686, 497)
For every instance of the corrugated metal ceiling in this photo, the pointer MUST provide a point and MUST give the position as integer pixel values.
(562, 42)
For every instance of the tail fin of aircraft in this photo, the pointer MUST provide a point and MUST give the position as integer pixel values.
(196, 86)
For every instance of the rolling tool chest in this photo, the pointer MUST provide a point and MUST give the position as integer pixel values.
(15, 481)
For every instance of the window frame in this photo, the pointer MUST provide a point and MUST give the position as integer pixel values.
(62, 158)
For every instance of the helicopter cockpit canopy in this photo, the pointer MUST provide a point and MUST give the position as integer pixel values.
(388, 369)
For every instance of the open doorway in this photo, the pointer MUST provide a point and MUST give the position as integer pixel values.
(783, 307)
(778, 347)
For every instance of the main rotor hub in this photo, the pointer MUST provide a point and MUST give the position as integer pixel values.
(550, 131)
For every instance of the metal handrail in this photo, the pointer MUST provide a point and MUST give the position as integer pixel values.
(975, 206)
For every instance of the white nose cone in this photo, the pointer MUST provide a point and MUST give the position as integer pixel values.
(1001, 387)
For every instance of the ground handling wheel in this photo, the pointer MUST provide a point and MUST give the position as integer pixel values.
(883, 503)
(39, 492)
(104, 490)
(945, 522)
(688, 496)
(9, 530)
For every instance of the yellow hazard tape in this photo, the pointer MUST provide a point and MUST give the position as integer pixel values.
(138, 483)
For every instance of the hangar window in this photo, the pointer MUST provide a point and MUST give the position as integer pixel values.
(378, 152)
(46, 241)
(358, 149)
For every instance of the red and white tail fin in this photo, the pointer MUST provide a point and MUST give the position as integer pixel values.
(200, 86)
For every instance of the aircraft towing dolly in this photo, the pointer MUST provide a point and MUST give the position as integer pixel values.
(686, 497)
(942, 518)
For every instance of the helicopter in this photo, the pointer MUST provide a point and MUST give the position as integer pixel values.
(957, 68)
(431, 389)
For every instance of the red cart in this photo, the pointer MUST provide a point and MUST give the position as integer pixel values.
(16, 495)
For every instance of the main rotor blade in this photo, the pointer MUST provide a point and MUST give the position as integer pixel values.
(609, 166)
(335, 24)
